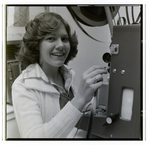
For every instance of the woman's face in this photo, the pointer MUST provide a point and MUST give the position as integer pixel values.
(54, 48)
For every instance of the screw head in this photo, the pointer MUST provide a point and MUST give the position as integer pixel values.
(114, 71)
(123, 72)
(108, 120)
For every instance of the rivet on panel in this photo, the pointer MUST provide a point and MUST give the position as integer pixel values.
(123, 72)
(114, 70)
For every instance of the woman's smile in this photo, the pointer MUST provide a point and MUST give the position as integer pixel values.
(59, 54)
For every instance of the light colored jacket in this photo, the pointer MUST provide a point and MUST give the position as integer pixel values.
(37, 108)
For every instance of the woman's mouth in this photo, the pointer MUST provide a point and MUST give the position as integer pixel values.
(58, 54)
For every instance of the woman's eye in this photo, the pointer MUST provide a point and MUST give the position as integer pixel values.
(51, 38)
(65, 39)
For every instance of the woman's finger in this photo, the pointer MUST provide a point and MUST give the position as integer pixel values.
(96, 72)
(97, 85)
(96, 79)
(92, 69)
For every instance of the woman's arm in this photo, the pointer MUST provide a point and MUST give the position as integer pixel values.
(91, 80)
(29, 116)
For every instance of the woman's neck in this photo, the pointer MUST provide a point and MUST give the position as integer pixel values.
(51, 72)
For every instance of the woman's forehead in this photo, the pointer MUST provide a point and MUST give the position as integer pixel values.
(61, 29)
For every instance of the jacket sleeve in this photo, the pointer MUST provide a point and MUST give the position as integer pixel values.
(29, 118)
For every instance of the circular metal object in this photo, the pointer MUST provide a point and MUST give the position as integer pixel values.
(108, 120)
(114, 71)
(107, 57)
(123, 72)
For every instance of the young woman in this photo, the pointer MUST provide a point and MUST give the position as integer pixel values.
(44, 100)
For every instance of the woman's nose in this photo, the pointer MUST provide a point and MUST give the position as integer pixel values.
(59, 44)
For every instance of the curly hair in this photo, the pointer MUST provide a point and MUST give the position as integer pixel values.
(36, 30)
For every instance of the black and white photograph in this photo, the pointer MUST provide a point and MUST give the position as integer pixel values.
(74, 72)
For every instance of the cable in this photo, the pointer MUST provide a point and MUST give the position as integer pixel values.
(91, 117)
(139, 16)
(109, 19)
(111, 9)
(119, 21)
(119, 17)
(132, 8)
(127, 14)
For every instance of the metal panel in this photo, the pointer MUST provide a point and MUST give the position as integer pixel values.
(127, 64)
(127, 75)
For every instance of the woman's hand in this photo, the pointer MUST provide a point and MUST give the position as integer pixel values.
(91, 80)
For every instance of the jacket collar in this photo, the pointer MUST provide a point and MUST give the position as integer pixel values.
(34, 71)
(34, 75)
